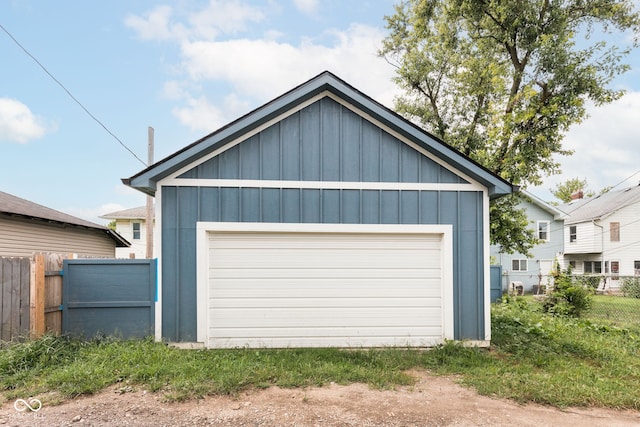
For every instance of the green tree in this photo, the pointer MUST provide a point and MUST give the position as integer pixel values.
(564, 190)
(503, 80)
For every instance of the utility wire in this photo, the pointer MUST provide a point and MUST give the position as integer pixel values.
(71, 95)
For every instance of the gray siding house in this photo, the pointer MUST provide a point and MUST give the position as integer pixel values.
(517, 269)
(27, 228)
(321, 218)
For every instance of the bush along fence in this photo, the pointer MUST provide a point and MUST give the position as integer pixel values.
(31, 291)
(602, 298)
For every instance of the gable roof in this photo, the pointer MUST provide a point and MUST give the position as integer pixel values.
(557, 213)
(139, 212)
(601, 206)
(15, 206)
(146, 180)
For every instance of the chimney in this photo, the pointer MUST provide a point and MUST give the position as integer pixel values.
(577, 195)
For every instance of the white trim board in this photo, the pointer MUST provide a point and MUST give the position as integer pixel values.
(328, 185)
(204, 228)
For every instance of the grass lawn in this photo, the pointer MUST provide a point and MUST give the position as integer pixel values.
(533, 358)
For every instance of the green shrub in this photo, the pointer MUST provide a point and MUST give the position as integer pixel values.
(591, 282)
(569, 296)
(631, 287)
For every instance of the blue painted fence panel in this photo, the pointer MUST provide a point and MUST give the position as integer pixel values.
(496, 282)
(110, 297)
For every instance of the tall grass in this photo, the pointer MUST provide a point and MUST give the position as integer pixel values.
(533, 358)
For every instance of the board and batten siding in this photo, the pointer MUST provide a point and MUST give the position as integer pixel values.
(184, 207)
(22, 237)
(324, 141)
(322, 164)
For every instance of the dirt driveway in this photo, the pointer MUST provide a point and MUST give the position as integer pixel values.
(432, 401)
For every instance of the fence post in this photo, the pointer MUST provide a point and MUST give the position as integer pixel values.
(36, 299)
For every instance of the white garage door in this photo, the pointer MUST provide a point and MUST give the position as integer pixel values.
(299, 289)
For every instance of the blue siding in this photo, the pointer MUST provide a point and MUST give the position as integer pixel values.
(182, 207)
(324, 142)
(112, 297)
(543, 251)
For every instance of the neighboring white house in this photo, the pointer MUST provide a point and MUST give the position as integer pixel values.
(131, 224)
(602, 236)
(547, 222)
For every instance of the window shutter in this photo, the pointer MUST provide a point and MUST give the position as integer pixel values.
(614, 231)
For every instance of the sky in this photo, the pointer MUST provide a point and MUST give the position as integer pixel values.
(188, 67)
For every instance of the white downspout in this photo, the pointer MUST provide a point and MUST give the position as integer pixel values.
(602, 269)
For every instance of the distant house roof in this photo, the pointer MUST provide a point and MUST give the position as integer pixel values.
(139, 212)
(147, 179)
(15, 206)
(556, 212)
(601, 206)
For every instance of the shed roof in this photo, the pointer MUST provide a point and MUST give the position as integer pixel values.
(600, 206)
(15, 206)
(146, 180)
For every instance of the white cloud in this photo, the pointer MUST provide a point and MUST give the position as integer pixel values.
(262, 69)
(218, 17)
(200, 114)
(250, 70)
(306, 6)
(225, 16)
(155, 25)
(18, 123)
(605, 145)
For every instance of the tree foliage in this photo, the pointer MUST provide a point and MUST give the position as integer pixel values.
(564, 190)
(503, 80)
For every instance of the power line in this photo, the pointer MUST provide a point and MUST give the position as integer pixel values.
(71, 95)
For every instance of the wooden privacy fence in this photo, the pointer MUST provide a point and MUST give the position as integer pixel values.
(59, 294)
(15, 277)
(31, 296)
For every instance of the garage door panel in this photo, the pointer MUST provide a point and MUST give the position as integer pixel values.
(381, 302)
(334, 273)
(323, 317)
(322, 259)
(319, 288)
(272, 289)
(302, 331)
(329, 341)
(309, 240)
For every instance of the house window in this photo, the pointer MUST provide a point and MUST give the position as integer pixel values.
(136, 230)
(519, 265)
(636, 268)
(614, 231)
(543, 231)
(593, 267)
(573, 233)
(572, 265)
(615, 270)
